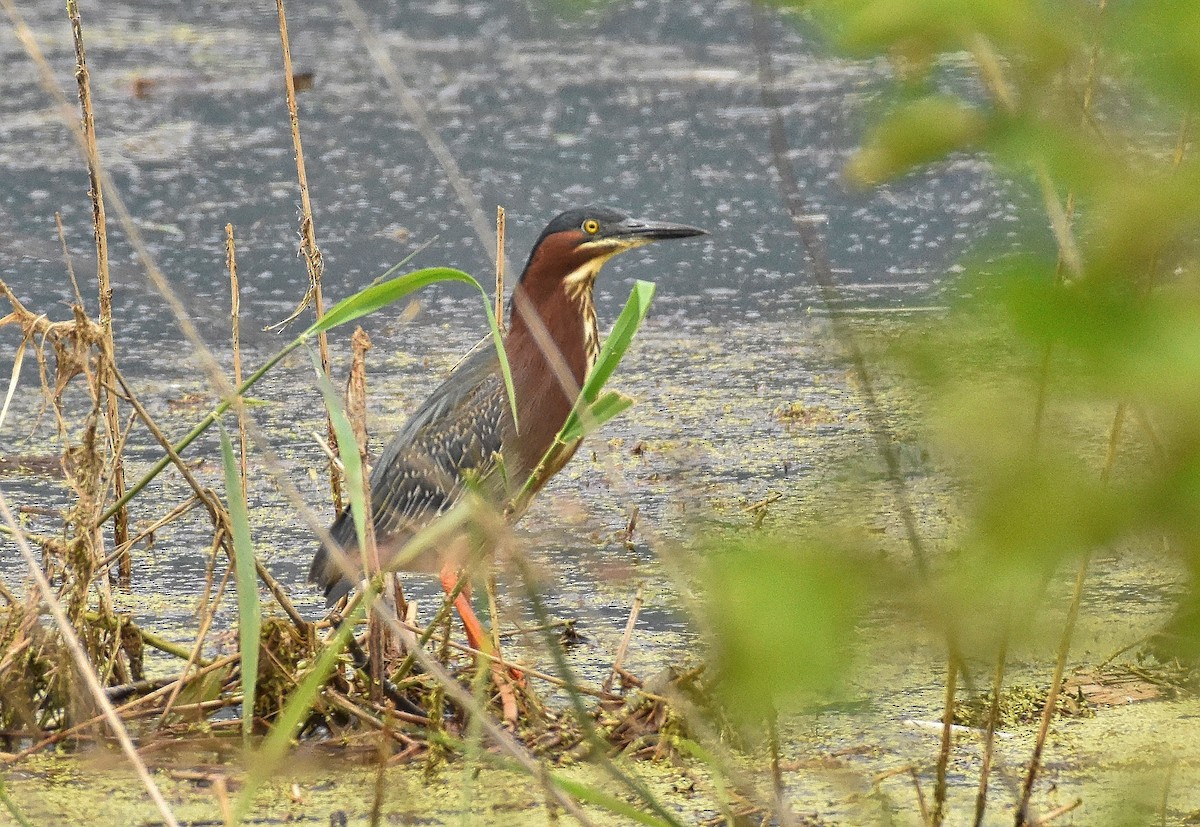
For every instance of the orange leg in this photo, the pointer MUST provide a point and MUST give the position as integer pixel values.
(477, 636)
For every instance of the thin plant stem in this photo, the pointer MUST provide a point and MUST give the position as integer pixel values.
(633, 783)
(626, 637)
(62, 240)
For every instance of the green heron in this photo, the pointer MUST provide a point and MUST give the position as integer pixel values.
(465, 428)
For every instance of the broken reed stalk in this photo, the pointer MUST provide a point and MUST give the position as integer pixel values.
(108, 351)
(308, 243)
(84, 666)
(626, 637)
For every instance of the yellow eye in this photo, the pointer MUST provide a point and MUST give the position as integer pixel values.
(591, 226)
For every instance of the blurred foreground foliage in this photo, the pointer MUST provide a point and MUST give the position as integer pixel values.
(1062, 389)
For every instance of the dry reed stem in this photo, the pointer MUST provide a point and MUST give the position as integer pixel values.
(946, 743)
(108, 349)
(420, 121)
(84, 667)
(1057, 812)
(308, 242)
(626, 637)
(922, 805)
(989, 738)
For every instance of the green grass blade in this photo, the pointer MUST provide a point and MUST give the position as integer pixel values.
(11, 806)
(618, 341)
(249, 613)
(347, 452)
(275, 746)
(367, 300)
(599, 798)
(377, 296)
(607, 406)
(619, 338)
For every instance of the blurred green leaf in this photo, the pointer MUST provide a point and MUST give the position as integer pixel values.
(918, 132)
(783, 615)
(1160, 41)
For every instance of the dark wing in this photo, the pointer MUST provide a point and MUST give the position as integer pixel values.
(459, 429)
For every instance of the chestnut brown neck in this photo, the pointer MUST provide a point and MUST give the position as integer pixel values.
(552, 342)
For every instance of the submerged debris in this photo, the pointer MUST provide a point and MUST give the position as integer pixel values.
(1021, 704)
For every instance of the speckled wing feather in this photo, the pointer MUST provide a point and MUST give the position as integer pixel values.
(460, 429)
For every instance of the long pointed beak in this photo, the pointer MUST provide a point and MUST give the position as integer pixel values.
(633, 229)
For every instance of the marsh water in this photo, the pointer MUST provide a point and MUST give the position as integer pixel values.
(652, 107)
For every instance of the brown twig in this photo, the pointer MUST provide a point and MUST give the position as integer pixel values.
(989, 738)
(945, 746)
(921, 803)
(1057, 812)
